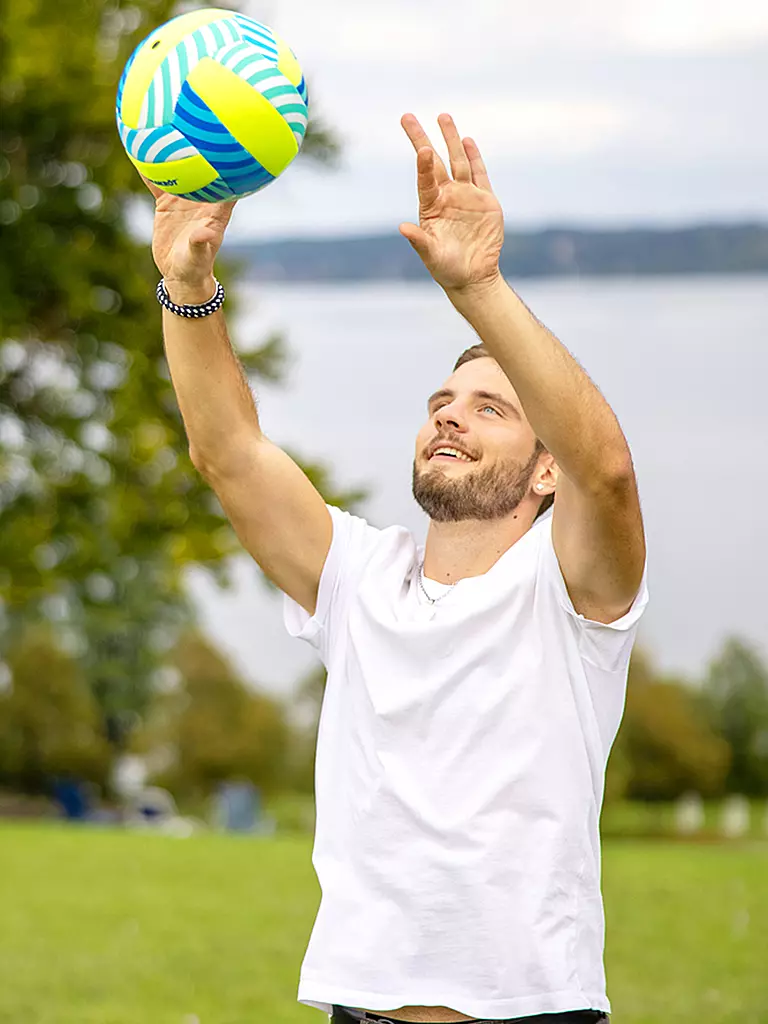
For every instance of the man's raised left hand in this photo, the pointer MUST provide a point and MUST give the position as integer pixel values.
(461, 223)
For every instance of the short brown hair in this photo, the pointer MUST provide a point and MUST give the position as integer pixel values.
(479, 352)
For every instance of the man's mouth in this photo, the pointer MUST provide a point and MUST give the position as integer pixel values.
(445, 457)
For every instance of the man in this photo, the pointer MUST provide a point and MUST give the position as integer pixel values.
(475, 684)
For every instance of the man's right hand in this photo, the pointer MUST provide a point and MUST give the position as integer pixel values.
(186, 237)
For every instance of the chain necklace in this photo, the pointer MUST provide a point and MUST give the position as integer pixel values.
(432, 600)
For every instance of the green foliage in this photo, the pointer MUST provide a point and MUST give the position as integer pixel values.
(212, 728)
(665, 745)
(49, 721)
(100, 507)
(736, 699)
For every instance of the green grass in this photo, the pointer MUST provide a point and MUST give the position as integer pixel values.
(112, 927)
(687, 932)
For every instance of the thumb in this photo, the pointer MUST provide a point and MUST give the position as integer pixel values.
(418, 239)
(201, 236)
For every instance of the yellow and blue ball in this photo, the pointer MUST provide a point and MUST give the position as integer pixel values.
(212, 106)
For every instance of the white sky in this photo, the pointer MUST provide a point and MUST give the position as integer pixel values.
(601, 111)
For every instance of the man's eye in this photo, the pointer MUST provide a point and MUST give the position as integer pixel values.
(440, 406)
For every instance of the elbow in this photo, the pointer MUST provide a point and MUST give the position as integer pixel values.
(198, 460)
(615, 475)
(622, 473)
(225, 461)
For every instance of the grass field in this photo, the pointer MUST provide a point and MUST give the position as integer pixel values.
(113, 927)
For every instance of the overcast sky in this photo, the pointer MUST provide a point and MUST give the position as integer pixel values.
(602, 111)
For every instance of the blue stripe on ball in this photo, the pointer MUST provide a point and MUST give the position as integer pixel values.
(200, 45)
(219, 189)
(209, 193)
(258, 34)
(150, 139)
(183, 59)
(238, 169)
(167, 152)
(167, 98)
(189, 102)
(232, 53)
(233, 166)
(217, 34)
(256, 179)
(221, 142)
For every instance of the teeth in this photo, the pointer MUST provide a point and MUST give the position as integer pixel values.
(452, 451)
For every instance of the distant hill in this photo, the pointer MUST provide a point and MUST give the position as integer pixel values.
(702, 249)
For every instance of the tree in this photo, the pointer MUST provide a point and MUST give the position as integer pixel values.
(49, 721)
(100, 507)
(735, 696)
(665, 745)
(211, 727)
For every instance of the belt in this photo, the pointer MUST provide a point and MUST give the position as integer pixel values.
(348, 1015)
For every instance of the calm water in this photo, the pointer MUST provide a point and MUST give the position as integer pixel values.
(683, 362)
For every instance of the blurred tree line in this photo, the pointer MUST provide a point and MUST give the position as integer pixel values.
(100, 507)
(710, 737)
(204, 725)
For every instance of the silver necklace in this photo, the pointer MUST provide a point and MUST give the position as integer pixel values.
(432, 600)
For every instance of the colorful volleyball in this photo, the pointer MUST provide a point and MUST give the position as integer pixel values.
(212, 106)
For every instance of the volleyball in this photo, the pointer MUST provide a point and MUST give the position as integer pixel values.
(212, 106)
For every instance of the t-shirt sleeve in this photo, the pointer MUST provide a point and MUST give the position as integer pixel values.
(351, 544)
(606, 645)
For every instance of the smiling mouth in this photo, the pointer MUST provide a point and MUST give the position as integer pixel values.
(449, 458)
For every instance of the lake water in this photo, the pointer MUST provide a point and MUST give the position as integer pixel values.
(682, 361)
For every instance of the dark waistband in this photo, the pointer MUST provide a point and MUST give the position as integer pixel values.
(348, 1015)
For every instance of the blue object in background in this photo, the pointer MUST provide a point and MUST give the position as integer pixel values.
(73, 797)
(238, 806)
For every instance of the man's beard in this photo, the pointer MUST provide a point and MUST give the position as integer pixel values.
(491, 493)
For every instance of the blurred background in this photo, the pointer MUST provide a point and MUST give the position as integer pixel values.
(149, 692)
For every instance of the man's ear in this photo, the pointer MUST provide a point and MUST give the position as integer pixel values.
(546, 474)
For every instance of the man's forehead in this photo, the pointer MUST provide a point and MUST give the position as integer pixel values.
(485, 374)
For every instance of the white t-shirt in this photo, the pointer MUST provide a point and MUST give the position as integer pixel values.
(458, 780)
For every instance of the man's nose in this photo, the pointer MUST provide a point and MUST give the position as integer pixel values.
(449, 414)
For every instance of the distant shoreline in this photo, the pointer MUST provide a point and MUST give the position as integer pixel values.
(551, 252)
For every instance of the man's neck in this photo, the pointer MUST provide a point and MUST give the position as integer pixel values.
(454, 551)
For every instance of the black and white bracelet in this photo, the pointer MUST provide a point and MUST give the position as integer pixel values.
(204, 309)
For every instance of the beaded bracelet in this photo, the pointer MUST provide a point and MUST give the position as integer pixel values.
(204, 309)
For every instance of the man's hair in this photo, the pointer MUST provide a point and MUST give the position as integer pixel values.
(479, 352)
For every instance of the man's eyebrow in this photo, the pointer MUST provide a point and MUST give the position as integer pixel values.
(493, 396)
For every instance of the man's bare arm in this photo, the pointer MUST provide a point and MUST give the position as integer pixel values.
(278, 515)
(561, 403)
(597, 527)
(216, 403)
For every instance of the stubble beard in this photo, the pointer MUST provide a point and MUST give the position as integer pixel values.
(486, 494)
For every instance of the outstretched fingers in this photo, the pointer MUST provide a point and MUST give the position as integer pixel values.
(427, 181)
(419, 140)
(460, 168)
(477, 166)
(466, 162)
